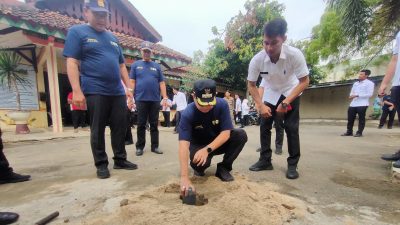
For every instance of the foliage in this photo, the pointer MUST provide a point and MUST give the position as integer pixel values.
(11, 74)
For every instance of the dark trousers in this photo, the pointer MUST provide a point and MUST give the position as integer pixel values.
(167, 118)
(238, 116)
(177, 119)
(279, 130)
(5, 168)
(351, 116)
(128, 133)
(78, 118)
(291, 121)
(147, 111)
(395, 94)
(385, 114)
(231, 150)
(245, 120)
(107, 110)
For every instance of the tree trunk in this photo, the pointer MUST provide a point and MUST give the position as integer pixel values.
(17, 94)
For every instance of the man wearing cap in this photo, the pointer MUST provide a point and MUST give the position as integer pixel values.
(285, 71)
(206, 130)
(148, 83)
(88, 48)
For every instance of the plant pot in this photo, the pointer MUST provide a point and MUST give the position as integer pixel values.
(21, 121)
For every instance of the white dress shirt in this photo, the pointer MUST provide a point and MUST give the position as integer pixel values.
(180, 101)
(245, 107)
(364, 89)
(396, 50)
(281, 77)
(238, 105)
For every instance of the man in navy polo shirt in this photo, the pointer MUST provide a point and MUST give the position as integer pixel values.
(95, 67)
(206, 130)
(147, 81)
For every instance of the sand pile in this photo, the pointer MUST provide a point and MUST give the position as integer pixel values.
(238, 202)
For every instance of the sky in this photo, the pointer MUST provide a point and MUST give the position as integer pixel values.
(185, 25)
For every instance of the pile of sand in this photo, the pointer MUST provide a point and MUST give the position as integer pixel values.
(238, 202)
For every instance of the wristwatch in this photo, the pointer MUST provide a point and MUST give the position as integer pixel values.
(284, 105)
(209, 150)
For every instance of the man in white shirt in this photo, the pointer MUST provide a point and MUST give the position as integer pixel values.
(393, 75)
(360, 93)
(285, 70)
(238, 110)
(180, 101)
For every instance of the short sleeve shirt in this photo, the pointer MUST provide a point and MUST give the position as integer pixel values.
(148, 76)
(203, 128)
(396, 50)
(282, 77)
(100, 56)
(386, 98)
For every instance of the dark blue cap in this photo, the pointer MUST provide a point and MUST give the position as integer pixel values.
(97, 5)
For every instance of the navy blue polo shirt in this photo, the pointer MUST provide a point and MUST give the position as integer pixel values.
(203, 128)
(148, 76)
(100, 56)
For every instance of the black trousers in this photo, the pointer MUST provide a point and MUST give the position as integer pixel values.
(245, 120)
(177, 119)
(279, 130)
(231, 150)
(395, 94)
(351, 116)
(167, 119)
(128, 133)
(109, 110)
(5, 168)
(291, 121)
(78, 118)
(147, 111)
(385, 114)
(238, 116)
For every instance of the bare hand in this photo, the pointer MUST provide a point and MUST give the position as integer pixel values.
(129, 94)
(185, 185)
(200, 157)
(78, 98)
(265, 111)
(353, 96)
(382, 89)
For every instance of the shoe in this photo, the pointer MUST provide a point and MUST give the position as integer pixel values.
(292, 173)
(258, 149)
(261, 165)
(199, 173)
(347, 134)
(157, 151)
(380, 126)
(14, 178)
(358, 135)
(103, 172)
(128, 142)
(8, 218)
(223, 174)
(396, 164)
(391, 157)
(125, 164)
(139, 152)
(278, 150)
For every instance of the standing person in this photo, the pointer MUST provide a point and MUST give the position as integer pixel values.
(180, 101)
(148, 83)
(166, 111)
(88, 48)
(77, 113)
(388, 108)
(284, 69)
(238, 110)
(231, 104)
(278, 121)
(206, 130)
(393, 75)
(245, 113)
(360, 93)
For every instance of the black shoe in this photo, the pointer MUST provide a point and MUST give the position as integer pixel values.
(8, 218)
(391, 157)
(396, 164)
(103, 172)
(347, 134)
(126, 165)
(261, 165)
(358, 135)
(278, 150)
(292, 173)
(223, 174)
(157, 151)
(14, 178)
(380, 126)
(139, 152)
(128, 142)
(198, 173)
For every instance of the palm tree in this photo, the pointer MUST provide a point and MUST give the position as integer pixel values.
(11, 74)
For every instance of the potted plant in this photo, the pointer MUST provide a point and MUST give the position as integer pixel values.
(14, 77)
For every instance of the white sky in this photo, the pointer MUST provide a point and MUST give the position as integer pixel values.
(185, 25)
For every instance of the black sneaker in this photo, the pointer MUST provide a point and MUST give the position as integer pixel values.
(223, 174)
(347, 134)
(157, 151)
(358, 135)
(139, 152)
(391, 157)
(126, 165)
(396, 164)
(103, 172)
(261, 165)
(292, 172)
(14, 178)
(278, 150)
(8, 217)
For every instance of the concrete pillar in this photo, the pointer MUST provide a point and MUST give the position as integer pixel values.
(52, 74)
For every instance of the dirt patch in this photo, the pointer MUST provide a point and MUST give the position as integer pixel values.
(238, 202)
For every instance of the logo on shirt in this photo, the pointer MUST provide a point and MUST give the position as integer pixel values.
(152, 68)
(114, 44)
(92, 40)
(139, 67)
(215, 122)
(198, 127)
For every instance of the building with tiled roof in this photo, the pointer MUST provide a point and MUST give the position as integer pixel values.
(37, 29)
